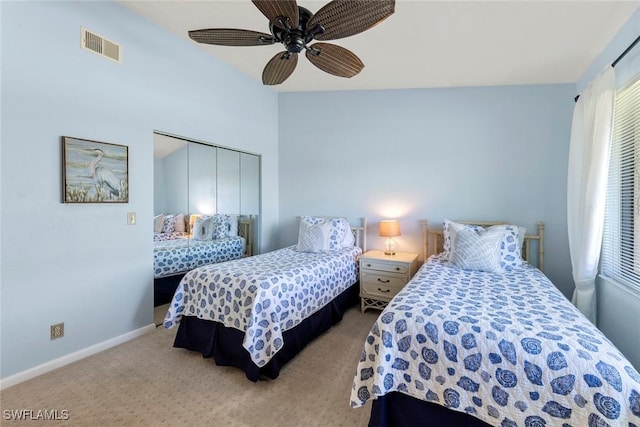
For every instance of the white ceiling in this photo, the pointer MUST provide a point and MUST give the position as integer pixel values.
(425, 44)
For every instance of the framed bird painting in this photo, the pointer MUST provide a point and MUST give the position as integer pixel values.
(94, 172)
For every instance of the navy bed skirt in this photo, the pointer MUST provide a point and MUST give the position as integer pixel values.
(400, 410)
(213, 339)
(164, 288)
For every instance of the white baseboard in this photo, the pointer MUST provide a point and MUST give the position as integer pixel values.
(73, 357)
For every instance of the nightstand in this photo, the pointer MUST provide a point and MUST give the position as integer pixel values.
(383, 276)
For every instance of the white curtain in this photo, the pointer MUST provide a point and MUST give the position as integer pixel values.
(586, 185)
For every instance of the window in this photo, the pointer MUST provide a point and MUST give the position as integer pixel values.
(621, 239)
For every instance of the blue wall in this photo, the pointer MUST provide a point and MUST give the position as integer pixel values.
(489, 153)
(171, 183)
(82, 264)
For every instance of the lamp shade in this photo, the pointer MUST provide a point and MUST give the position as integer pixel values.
(389, 228)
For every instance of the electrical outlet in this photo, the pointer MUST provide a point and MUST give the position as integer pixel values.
(131, 218)
(57, 331)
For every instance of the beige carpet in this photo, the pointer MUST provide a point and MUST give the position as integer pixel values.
(147, 382)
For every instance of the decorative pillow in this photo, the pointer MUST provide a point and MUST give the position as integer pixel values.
(349, 239)
(192, 222)
(210, 226)
(158, 223)
(180, 224)
(314, 237)
(203, 228)
(511, 248)
(220, 226)
(339, 230)
(197, 230)
(169, 224)
(472, 249)
(522, 231)
(233, 226)
(447, 235)
(510, 255)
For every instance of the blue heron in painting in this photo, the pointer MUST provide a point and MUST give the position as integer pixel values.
(103, 176)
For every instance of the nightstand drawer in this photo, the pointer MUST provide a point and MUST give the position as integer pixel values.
(383, 276)
(380, 290)
(383, 266)
(375, 279)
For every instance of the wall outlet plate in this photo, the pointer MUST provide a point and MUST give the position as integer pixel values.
(57, 331)
(131, 218)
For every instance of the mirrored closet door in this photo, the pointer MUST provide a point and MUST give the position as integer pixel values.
(206, 204)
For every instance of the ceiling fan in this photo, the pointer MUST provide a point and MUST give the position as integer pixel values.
(295, 27)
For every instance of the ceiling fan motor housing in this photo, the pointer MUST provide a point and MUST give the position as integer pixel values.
(294, 42)
(293, 38)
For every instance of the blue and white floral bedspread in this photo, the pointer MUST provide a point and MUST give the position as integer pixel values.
(183, 254)
(174, 235)
(508, 349)
(264, 295)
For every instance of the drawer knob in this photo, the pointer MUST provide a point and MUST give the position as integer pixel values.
(384, 290)
(397, 268)
(383, 281)
(368, 265)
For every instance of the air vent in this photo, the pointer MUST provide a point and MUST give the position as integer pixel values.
(98, 44)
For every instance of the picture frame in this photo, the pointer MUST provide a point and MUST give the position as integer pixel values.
(94, 172)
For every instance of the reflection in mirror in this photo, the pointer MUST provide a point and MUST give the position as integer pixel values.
(170, 204)
(202, 179)
(228, 181)
(169, 175)
(212, 195)
(250, 197)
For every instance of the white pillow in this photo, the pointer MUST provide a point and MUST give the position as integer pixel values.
(340, 229)
(197, 231)
(349, 239)
(180, 224)
(203, 228)
(233, 225)
(314, 237)
(473, 249)
(192, 222)
(446, 247)
(510, 255)
(158, 223)
(522, 231)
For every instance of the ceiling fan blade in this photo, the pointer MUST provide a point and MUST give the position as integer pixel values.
(344, 18)
(274, 9)
(334, 59)
(279, 68)
(231, 37)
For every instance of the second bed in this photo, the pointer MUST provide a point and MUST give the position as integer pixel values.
(257, 313)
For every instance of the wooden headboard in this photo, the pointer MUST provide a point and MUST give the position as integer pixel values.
(433, 241)
(360, 233)
(245, 229)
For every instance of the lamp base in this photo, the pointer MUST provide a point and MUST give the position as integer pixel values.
(390, 247)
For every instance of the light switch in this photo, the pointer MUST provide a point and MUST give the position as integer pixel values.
(131, 218)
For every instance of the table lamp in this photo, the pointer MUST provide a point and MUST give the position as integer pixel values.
(389, 228)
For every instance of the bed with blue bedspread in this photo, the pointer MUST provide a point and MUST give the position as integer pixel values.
(465, 347)
(256, 313)
(181, 253)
